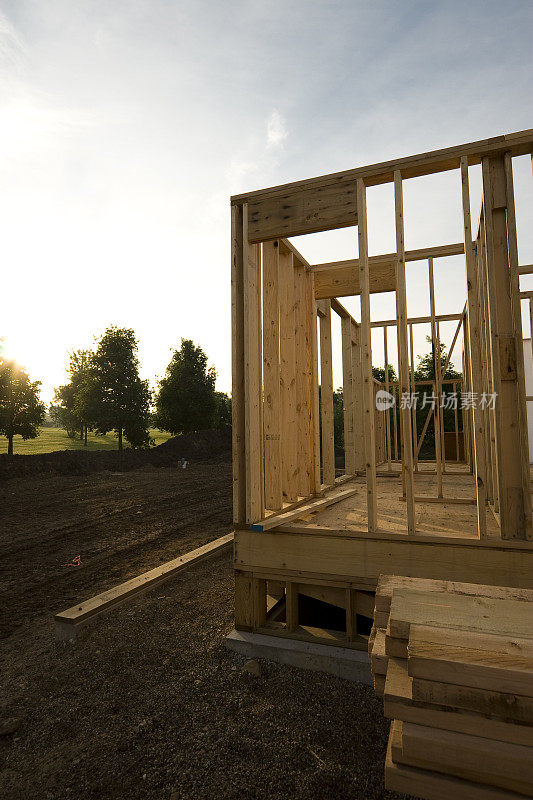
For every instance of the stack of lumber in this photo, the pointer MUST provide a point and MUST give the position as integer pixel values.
(454, 665)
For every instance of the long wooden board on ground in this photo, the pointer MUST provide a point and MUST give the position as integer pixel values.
(434, 785)
(69, 621)
(315, 504)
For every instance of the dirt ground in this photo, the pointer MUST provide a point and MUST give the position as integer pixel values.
(148, 702)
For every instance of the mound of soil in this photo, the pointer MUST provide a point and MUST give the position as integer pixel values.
(199, 446)
(195, 446)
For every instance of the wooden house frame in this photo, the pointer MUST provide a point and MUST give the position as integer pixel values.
(284, 481)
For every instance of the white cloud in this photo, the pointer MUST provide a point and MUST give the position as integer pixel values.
(276, 129)
(126, 126)
(12, 45)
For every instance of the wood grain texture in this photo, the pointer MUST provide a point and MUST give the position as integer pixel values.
(469, 658)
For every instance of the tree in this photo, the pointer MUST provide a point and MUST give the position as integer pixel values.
(425, 371)
(222, 411)
(186, 400)
(338, 419)
(62, 416)
(379, 374)
(112, 396)
(67, 412)
(21, 411)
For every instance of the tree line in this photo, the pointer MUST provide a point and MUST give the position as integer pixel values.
(105, 393)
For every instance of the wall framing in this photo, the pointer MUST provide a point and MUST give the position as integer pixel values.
(283, 433)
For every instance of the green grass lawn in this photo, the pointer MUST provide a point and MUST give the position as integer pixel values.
(51, 439)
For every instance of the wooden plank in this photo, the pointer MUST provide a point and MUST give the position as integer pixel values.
(518, 346)
(412, 389)
(360, 559)
(310, 633)
(486, 365)
(286, 246)
(312, 353)
(475, 758)
(250, 601)
(357, 404)
(316, 504)
(380, 619)
(440, 407)
(483, 661)
(403, 355)
(387, 389)
(295, 211)
(389, 583)
(444, 610)
(351, 614)
(348, 396)
(341, 278)
(291, 606)
(456, 426)
(519, 143)
(259, 363)
(366, 362)
(435, 348)
(302, 383)
(509, 433)
(502, 705)
(338, 308)
(395, 648)
(398, 703)
(379, 658)
(83, 612)
(418, 321)
(289, 460)
(326, 398)
(379, 684)
(458, 501)
(237, 367)
(334, 595)
(271, 377)
(433, 785)
(252, 377)
(365, 604)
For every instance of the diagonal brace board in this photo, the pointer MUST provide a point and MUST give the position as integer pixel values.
(316, 504)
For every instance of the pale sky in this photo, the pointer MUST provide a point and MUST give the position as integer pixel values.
(125, 126)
